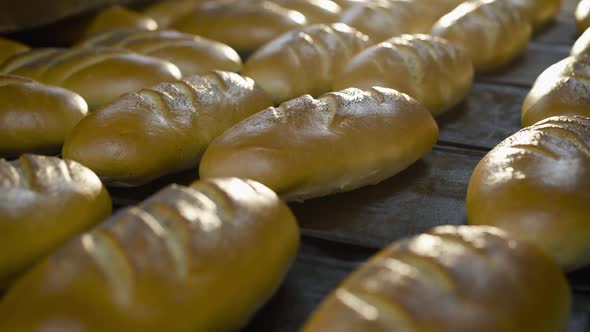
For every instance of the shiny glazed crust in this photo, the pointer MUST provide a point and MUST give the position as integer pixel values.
(304, 61)
(492, 32)
(535, 186)
(453, 278)
(166, 12)
(310, 147)
(562, 89)
(99, 75)
(44, 201)
(199, 258)
(117, 17)
(539, 12)
(35, 117)
(163, 129)
(243, 25)
(193, 55)
(427, 68)
(315, 11)
(583, 15)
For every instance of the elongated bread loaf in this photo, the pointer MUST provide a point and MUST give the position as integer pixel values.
(117, 17)
(451, 279)
(562, 89)
(539, 12)
(493, 32)
(315, 11)
(199, 258)
(44, 201)
(535, 186)
(162, 129)
(99, 75)
(35, 117)
(166, 12)
(427, 68)
(304, 61)
(9, 48)
(193, 55)
(310, 147)
(582, 45)
(583, 15)
(244, 25)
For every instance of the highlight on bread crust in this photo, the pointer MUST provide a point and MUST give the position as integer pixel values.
(9, 48)
(35, 117)
(583, 15)
(535, 186)
(315, 11)
(163, 129)
(539, 12)
(429, 69)
(99, 75)
(304, 61)
(166, 12)
(310, 147)
(492, 32)
(453, 278)
(562, 89)
(117, 17)
(193, 55)
(243, 25)
(582, 45)
(44, 201)
(198, 258)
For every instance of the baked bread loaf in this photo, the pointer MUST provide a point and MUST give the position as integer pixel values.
(35, 117)
(427, 68)
(583, 15)
(304, 61)
(492, 32)
(562, 89)
(244, 25)
(315, 11)
(199, 258)
(310, 147)
(539, 12)
(9, 48)
(535, 186)
(99, 75)
(193, 55)
(453, 278)
(44, 201)
(117, 17)
(163, 129)
(166, 12)
(582, 45)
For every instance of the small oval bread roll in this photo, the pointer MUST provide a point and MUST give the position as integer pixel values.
(304, 61)
(562, 89)
(310, 147)
(163, 129)
(199, 258)
(9, 48)
(167, 11)
(193, 55)
(315, 11)
(117, 17)
(427, 68)
(451, 279)
(43, 202)
(35, 117)
(493, 32)
(99, 75)
(583, 15)
(539, 12)
(244, 25)
(535, 186)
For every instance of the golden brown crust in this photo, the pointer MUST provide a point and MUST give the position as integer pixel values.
(162, 129)
(427, 68)
(583, 15)
(315, 11)
(535, 186)
(313, 147)
(166, 12)
(492, 32)
(8, 48)
(243, 25)
(43, 202)
(562, 89)
(453, 278)
(99, 75)
(539, 12)
(117, 17)
(193, 55)
(35, 117)
(304, 61)
(149, 267)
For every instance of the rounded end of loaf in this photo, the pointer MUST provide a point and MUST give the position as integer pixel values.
(582, 15)
(538, 12)
(449, 279)
(117, 17)
(36, 118)
(534, 186)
